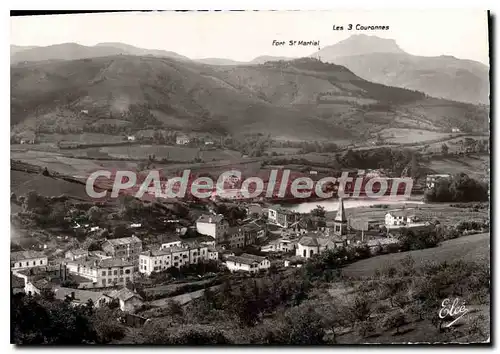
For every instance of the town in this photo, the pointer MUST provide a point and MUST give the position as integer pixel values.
(181, 196)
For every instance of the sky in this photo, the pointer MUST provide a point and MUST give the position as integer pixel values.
(245, 35)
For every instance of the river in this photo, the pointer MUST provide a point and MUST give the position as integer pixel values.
(332, 204)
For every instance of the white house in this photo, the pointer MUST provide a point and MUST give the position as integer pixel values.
(247, 262)
(431, 180)
(182, 140)
(399, 218)
(102, 272)
(27, 259)
(212, 225)
(162, 259)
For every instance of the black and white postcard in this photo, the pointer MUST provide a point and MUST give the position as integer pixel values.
(250, 177)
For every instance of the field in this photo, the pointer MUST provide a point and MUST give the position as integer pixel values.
(408, 136)
(467, 248)
(445, 213)
(76, 167)
(23, 182)
(476, 166)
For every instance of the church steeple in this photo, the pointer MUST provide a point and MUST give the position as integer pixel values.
(341, 212)
(340, 221)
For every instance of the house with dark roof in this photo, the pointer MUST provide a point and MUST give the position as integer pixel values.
(129, 301)
(400, 217)
(79, 297)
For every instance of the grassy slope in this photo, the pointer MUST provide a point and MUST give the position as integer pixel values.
(468, 248)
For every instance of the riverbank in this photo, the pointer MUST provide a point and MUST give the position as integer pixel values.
(331, 205)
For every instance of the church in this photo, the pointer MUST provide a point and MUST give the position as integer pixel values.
(316, 242)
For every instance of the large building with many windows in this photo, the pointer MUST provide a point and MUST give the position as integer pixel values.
(162, 259)
(102, 272)
(27, 259)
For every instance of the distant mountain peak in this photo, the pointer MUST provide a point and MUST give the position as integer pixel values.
(359, 44)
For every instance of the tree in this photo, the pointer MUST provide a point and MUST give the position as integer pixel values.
(395, 320)
(301, 325)
(366, 327)
(319, 211)
(40, 321)
(444, 149)
(360, 308)
(120, 231)
(106, 325)
(94, 214)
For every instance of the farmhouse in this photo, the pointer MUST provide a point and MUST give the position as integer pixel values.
(431, 180)
(27, 259)
(129, 301)
(403, 217)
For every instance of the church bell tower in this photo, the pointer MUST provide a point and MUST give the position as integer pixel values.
(340, 221)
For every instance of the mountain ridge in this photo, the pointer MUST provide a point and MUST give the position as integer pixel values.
(384, 62)
(303, 98)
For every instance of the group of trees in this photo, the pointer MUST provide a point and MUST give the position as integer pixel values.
(418, 239)
(459, 188)
(232, 214)
(45, 320)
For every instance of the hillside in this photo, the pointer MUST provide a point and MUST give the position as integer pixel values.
(74, 51)
(383, 61)
(303, 98)
(475, 248)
